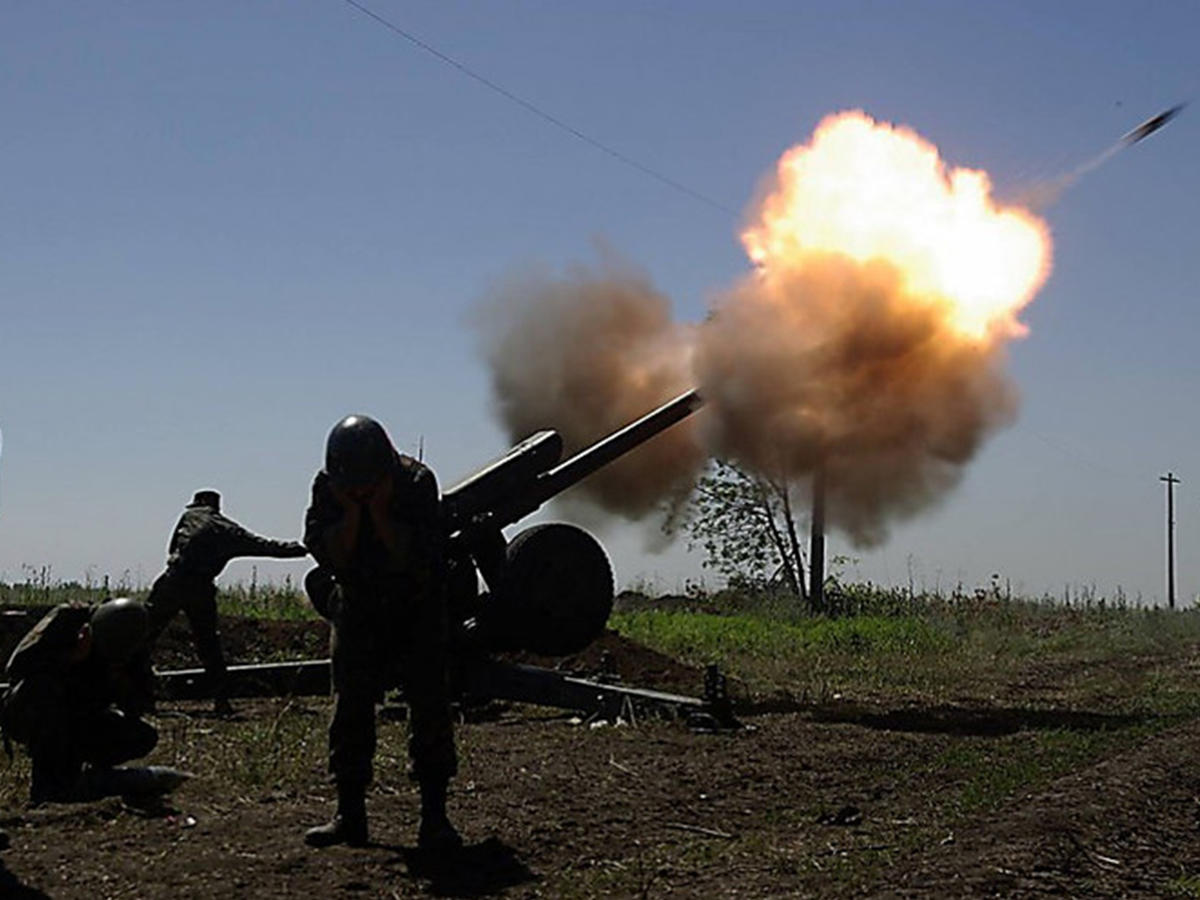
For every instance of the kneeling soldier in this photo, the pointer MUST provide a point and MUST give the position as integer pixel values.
(78, 684)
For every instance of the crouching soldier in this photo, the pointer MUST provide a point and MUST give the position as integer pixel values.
(203, 542)
(79, 682)
(374, 526)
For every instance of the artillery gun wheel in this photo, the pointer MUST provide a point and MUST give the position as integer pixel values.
(558, 589)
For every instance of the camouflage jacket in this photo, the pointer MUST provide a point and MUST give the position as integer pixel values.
(415, 510)
(204, 541)
(48, 644)
(45, 682)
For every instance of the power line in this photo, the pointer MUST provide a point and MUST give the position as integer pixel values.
(539, 112)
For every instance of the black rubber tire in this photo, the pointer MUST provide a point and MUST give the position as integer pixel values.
(558, 589)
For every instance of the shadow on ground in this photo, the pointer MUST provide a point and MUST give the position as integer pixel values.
(974, 721)
(476, 870)
(11, 887)
(967, 721)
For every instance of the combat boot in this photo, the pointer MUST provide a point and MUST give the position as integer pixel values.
(223, 709)
(54, 782)
(435, 833)
(348, 825)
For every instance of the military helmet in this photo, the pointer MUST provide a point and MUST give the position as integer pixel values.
(119, 628)
(208, 498)
(358, 452)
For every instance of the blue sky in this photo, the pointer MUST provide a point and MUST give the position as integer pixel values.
(225, 225)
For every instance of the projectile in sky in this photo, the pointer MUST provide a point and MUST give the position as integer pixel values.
(1150, 126)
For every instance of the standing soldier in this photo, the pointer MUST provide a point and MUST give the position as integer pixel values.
(78, 684)
(374, 527)
(203, 542)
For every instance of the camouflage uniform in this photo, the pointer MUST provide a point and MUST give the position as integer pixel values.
(70, 712)
(389, 628)
(203, 542)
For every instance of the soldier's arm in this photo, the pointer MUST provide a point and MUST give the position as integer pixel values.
(239, 541)
(250, 544)
(394, 536)
(418, 537)
(430, 538)
(133, 685)
(330, 526)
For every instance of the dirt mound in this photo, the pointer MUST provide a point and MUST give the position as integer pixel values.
(636, 601)
(244, 640)
(634, 664)
(249, 640)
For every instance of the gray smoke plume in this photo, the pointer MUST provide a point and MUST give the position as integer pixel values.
(586, 353)
(833, 363)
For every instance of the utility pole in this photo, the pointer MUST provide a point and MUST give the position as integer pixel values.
(1170, 480)
(816, 547)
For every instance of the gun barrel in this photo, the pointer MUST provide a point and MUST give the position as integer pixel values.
(500, 479)
(570, 472)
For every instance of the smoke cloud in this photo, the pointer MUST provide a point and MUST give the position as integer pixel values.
(833, 363)
(586, 353)
(868, 340)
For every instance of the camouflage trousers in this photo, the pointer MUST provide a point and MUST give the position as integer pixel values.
(382, 639)
(61, 737)
(196, 597)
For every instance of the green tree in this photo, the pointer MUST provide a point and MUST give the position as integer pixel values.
(746, 526)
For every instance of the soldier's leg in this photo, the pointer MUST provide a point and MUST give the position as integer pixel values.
(201, 611)
(110, 737)
(56, 769)
(106, 738)
(101, 738)
(431, 734)
(37, 717)
(164, 601)
(351, 732)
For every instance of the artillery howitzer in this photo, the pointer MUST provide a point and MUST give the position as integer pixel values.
(551, 586)
(549, 589)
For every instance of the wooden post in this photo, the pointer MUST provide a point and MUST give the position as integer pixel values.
(1170, 481)
(816, 548)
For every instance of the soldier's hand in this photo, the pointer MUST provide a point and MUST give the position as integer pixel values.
(381, 497)
(345, 499)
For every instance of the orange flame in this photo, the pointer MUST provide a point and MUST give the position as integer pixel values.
(871, 191)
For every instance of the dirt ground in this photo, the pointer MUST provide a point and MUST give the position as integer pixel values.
(825, 802)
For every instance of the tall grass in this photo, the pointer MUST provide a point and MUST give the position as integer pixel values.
(687, 634)
(286, 600)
